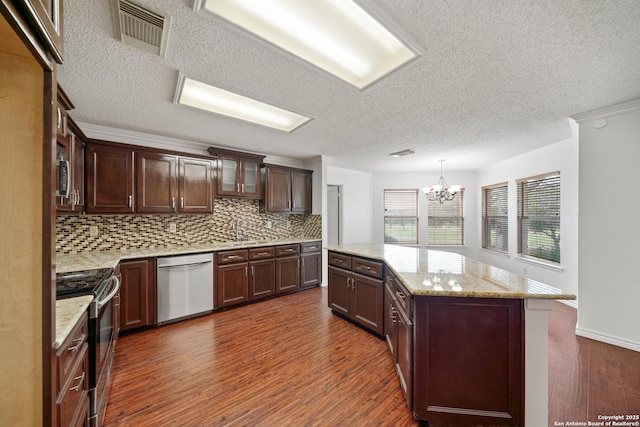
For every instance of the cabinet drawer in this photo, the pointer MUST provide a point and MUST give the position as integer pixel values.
(75, 389)
(404, 298)
(261, 253)
(369, 268)
(70, 350)
(310, 246)
(340, 260)
(285, 250)
(228, 257)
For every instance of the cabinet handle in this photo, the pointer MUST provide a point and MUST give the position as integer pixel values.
(288, 204)
(242, 188)
(238, 187)
(173, 203)
(312, 247)
(348, 283)
(234, 256)
(246, 272)
(130, 199)
(79, 342)
(263, 253)
(364, 267)
(400, 295)
(338, 260)
(181, 202)
(80, 382)
(59, 118)
(253, 270)
(293, 204)
(394, 317)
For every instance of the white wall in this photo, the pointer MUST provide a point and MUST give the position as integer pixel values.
(609, 308)
(402, 180)
(356, 202)
(563, 157)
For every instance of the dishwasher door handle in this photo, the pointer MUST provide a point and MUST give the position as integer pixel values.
(186, 264)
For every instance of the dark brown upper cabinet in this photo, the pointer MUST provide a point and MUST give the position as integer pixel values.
(238, 174)
(109, 179)
(286, 190)
(46, 17)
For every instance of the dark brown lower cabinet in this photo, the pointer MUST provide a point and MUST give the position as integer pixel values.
(355, 295)
(287, 274)
(138, 294)
(469, 361)
(310, 264)
(232, 284)
(262, 276)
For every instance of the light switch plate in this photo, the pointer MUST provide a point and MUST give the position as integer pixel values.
(93, 230)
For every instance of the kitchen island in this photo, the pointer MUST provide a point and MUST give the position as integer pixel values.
(469, 340)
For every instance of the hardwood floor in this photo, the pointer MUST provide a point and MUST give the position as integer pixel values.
(289, 362)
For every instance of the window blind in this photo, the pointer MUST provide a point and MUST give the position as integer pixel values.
(446, 221)
(539, 217)
(495, 220)
(401, 216)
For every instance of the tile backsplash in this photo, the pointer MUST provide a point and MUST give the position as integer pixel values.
(117, 232)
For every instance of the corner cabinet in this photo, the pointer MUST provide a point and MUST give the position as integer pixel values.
(238, 174)
(356, 290)
(286, 190)
(109, 179)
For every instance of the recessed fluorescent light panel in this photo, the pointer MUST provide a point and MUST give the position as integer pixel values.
(210, 98)
(337, 36)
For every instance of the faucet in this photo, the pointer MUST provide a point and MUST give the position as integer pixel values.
(234, 226)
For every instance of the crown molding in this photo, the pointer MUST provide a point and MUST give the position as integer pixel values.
(604, 112)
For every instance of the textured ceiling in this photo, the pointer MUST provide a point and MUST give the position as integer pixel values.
(497, 79)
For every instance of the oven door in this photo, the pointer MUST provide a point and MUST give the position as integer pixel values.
(105, 338)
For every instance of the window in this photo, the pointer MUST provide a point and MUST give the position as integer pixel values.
(539, 217)
(401, 216)
(495, 221)
(446, 221)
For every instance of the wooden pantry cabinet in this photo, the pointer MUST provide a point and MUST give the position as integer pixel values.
(173, 184)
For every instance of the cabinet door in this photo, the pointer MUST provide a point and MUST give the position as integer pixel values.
(138, 294)
(196, 186)
(278, 191)
(232, 284)
(287, 274)
(156, 185)
(262, 279)
(310, 269)
(301, 191)
(390, 319)
(77, 174)
(228, 171)
(48, 20)
(404, 354)
(339, 290)
(367, 302)
(109, 179)
(250, 182)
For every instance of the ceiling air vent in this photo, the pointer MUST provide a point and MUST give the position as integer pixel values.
(141, 27)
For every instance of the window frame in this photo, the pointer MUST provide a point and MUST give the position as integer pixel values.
(412, 217)
(525, 219)
(486, 218)
(459, 199)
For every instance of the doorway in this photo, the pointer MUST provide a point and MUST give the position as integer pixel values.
(334, 215)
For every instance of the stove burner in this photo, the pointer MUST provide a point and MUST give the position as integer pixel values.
(79, 283)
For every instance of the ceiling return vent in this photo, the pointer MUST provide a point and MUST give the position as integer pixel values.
(141, 27)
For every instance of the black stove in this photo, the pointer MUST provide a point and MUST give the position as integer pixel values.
(78, 283)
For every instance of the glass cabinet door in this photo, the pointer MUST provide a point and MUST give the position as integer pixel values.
(250, 181)
(229, 172)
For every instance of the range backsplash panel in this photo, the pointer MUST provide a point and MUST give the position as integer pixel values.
(117, 232)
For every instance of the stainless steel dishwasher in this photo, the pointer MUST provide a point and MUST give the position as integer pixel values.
(185, 286)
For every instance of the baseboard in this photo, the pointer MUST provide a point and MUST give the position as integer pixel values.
(620, 342)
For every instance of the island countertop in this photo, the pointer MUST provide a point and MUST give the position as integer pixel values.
(438, 273)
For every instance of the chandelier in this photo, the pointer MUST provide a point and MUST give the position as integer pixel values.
(441, 192)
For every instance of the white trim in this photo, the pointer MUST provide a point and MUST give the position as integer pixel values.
(601, 113)
(495, 253)
(620, 342)
(543, 264)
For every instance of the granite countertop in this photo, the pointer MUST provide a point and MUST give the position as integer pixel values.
(68, 312)
(429, 272)
(103, 259)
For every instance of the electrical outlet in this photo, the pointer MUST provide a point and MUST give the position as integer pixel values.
(269, 224)
(172, 227)
(524, 270)
(93, 230)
